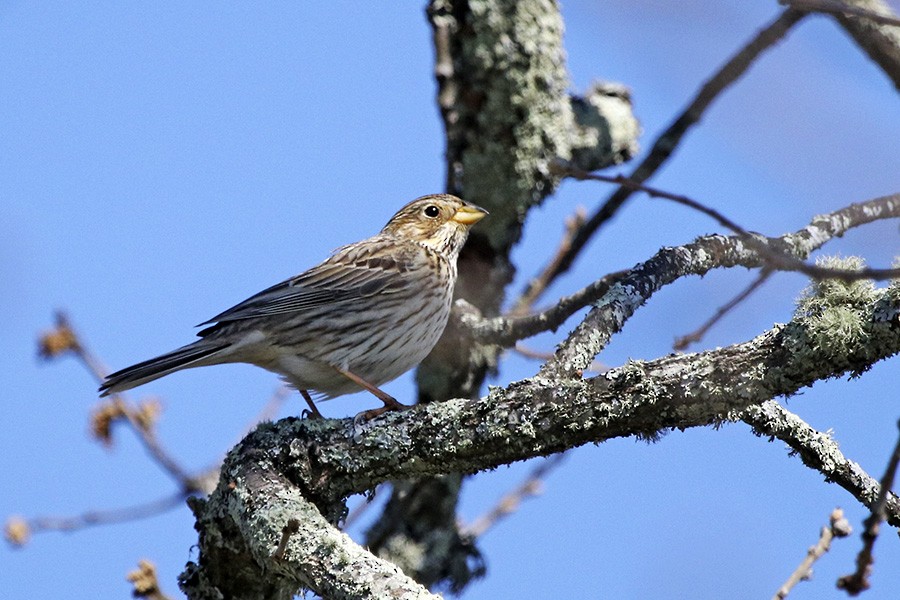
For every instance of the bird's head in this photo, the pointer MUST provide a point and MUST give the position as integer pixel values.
(441, 221)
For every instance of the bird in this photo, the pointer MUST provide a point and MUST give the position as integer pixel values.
(370, 312)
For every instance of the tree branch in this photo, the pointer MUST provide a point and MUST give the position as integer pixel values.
(838, 527)
(839, 7)
(695, 336)
(63, 339)
(818, 451)
(774, 259)
(626, 295)
(271, 524)
(280, 470)
(858, 581)
(879, 40)
(538, 285)
(503, 93)
(669, 264)
(510, 501)
(19, 530)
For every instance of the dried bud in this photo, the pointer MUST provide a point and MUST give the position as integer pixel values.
(17, 531)
(840, 526)
(147, 413)
(57, 341)
(103, 418)
(144, 580)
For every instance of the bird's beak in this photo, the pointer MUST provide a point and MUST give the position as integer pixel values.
(469, 214)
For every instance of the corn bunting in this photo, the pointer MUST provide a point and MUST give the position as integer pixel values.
(369, 313)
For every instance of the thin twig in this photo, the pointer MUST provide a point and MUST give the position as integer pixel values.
(269, 410)
(538, 285)
(775, 259)
(697, 335)
(132, 415)
(160, 455)
(360, 509)
(838, 527)
(836, 7)
(505, 331)
(858, 582)
(19, 530)
(509, 503)
(63, 339)
(627, 293)
(205, 480)
(668, 141)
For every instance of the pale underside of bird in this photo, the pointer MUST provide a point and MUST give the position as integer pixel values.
(366, 315)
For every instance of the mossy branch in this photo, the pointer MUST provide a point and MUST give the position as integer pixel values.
(304, 469)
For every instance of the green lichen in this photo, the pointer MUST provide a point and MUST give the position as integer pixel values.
(833, 314)
(514, 62)
(893, 290)
(843, 322)
(825, 293)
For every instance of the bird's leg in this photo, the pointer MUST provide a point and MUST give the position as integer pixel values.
(390, 403)
(313, 409)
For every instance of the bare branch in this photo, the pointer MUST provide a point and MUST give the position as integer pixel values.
(774, 258)
(285, 535)
(837, 7)
(668, 141)
(627, 293)
(503, 93)
(695, 336)
(880, 41)
(538, 285)
(630, 289)
(134, 415)
(269, 410)
(819, 451)
(19, 530)
(160, 455)
(505, 331)
(858, 581)
(290, 528)
(360, 509)
(510, 502)
(838, 527)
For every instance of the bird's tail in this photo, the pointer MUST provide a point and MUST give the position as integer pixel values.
(192, 355)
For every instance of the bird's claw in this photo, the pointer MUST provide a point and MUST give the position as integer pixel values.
(390, 405)
(309, 414)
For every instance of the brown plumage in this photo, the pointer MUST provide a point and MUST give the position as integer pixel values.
(366, 315)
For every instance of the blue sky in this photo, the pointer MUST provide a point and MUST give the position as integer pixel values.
(160, 163)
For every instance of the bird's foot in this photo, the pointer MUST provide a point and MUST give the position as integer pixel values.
(390, 405)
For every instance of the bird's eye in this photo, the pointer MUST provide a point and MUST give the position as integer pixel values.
(431, 211)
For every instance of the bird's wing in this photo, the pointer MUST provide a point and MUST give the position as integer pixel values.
(351, 273)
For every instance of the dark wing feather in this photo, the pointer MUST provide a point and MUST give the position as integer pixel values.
(350, 274)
